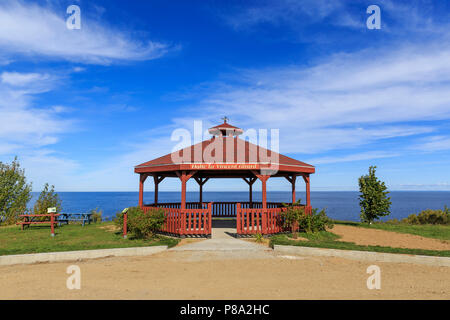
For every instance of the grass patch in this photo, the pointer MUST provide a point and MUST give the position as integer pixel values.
(435, 231)
(327, 240)
(37, 239)
(317, 236)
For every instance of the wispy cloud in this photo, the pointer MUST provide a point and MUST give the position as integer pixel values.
(33, 30)
(354, 157)
(345, 101)
(290, 12)
(21, 79)
(434, 143)
(22, 125)
(307, 18)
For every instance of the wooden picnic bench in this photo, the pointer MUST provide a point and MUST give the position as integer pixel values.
(83, 217)
(29, 219)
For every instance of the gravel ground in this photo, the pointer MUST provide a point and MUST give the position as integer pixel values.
(365, 236)
(224, 275)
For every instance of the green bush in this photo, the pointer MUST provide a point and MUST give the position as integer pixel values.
(259, 237)
(14, 192)
(429, 217)
(315, 222)
(96, 215)
(292, 215)
(295, 215)
(140, 224)
(48, 198)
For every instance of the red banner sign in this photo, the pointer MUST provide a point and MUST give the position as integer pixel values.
(228, 166)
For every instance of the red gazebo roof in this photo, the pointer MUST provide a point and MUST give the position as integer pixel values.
(225, 129)
(237, 155)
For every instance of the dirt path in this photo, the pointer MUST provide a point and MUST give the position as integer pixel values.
(365, 236)
(224, 275)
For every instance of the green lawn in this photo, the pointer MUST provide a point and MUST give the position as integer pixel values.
(70, 237)
(326, 239)
(435, 231)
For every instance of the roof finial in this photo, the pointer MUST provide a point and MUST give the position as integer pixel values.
(225, 119)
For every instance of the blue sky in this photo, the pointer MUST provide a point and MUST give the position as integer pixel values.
(81, 108)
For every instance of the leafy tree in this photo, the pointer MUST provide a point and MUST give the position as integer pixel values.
(47, 199)
(14, 192)
(373, 199)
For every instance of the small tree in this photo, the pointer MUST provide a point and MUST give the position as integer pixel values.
(292, 215)
(14, 192)
(47, 199)
(373, 199)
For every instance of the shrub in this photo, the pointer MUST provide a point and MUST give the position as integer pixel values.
(373, 200)
(292, 215)
(295, 216)
(96, 215)
(316, 221)
(140, 224)
(429, 217)
(14, 192)
(259, 237)
(48, 198)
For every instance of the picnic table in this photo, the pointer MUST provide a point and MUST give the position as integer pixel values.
(83, 217)
(29, 219)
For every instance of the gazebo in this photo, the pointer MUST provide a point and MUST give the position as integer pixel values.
(225, 155)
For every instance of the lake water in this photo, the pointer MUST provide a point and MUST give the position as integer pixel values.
(342, 205)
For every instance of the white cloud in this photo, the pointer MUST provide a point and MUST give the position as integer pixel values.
(21, 79)
(291, 12)
(23, 126)
(435, 143)
(30, 29)
(345, 101)
(354, 157)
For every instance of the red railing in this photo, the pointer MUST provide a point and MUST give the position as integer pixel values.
(219, 209)
(196, 219)
(263, 221)
(185, 222)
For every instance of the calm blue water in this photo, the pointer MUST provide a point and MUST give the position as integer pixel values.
(341, 205)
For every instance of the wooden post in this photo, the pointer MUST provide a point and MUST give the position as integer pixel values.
(250, 195)
(294, 178)
(183, 191)
(250, 183)
(52, 222)
(308, 193)
(210, 217)
(157, 182)
(155, 179)
(238, 218)
(184, 178)
(142, 178)
(263, 178)
(125, 224)
(201, 182)
(264, 193)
